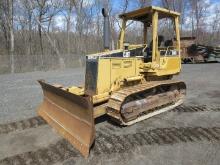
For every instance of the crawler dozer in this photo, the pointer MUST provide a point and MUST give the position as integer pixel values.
(129, 84)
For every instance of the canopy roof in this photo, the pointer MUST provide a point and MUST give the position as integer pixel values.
(145, 14)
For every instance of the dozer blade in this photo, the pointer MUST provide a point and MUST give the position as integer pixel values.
(71, 115)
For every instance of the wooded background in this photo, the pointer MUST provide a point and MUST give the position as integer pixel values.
(50, 34)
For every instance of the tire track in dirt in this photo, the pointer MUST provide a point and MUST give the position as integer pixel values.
(158, 136)
(110, 143)
(38, 121)
(22, 125)
(53, 153)
(196, 108)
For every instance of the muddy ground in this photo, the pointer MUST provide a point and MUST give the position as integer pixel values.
(189, 134)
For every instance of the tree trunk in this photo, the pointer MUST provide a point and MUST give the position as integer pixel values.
(30, 35)
(197, 19)
(68, 30)
(41, 41)
(11, 35)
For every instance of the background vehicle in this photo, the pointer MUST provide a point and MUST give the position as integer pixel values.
(197, 53)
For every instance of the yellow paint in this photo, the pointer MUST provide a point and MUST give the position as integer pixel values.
(155, 57)
(137, 78)
(103, 80)
(76, 90)
(148, 10)
(100, 97)
(113, 73)
(122, 34)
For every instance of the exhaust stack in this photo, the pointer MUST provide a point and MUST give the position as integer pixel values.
(106, 30)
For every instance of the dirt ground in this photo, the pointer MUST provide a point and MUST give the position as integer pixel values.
(189, 134)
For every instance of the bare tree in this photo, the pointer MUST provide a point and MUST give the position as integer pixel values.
(176, 5)
(47, 32)
(143, 3)
(215, 27)
(40, 20)
(199, 13)
(6, 8)
(11, 31)
(25, 20)
(69, 6)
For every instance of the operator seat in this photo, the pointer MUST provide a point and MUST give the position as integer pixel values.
(148, 51)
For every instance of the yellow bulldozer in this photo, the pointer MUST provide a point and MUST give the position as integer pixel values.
(129, 84)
